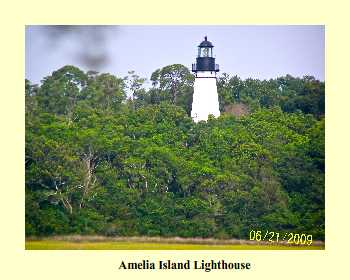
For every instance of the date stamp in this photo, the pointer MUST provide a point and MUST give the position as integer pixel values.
(275, 237)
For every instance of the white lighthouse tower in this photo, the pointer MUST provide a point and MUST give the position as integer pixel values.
(205, 96)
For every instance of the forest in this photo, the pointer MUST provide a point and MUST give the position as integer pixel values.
(106, 155)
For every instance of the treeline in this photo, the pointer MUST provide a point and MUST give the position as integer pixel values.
(104, 155)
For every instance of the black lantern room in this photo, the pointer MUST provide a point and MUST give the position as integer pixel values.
(205, 59)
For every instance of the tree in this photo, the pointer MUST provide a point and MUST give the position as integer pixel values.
(61, 91)
(105, 91)
(177, 82)
(134, 85)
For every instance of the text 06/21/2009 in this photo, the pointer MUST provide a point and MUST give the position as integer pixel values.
(272, 236)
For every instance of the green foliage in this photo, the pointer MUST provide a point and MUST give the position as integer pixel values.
(173, 83)
(289, 93)
(97, 163)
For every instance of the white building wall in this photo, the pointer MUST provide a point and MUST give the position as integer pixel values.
(205, 97)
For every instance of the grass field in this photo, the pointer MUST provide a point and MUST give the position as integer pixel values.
(102, 243)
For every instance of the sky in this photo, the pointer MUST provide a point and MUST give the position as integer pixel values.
(253, 51)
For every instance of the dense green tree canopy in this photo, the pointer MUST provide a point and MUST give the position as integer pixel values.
(99, 163)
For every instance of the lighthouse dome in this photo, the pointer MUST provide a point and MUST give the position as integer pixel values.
(205, 43)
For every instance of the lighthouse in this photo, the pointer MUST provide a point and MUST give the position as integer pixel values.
(205, 95)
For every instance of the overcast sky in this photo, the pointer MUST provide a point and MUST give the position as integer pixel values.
(261, 52)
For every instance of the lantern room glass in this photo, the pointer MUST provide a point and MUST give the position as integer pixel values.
(205, 52)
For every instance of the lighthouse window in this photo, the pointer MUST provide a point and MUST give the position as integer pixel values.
(206, 52)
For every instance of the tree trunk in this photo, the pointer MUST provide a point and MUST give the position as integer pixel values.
(89, 181)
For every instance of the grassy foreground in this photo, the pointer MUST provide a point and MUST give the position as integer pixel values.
(91, 243)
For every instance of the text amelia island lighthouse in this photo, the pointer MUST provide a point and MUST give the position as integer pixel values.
(205, 95)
